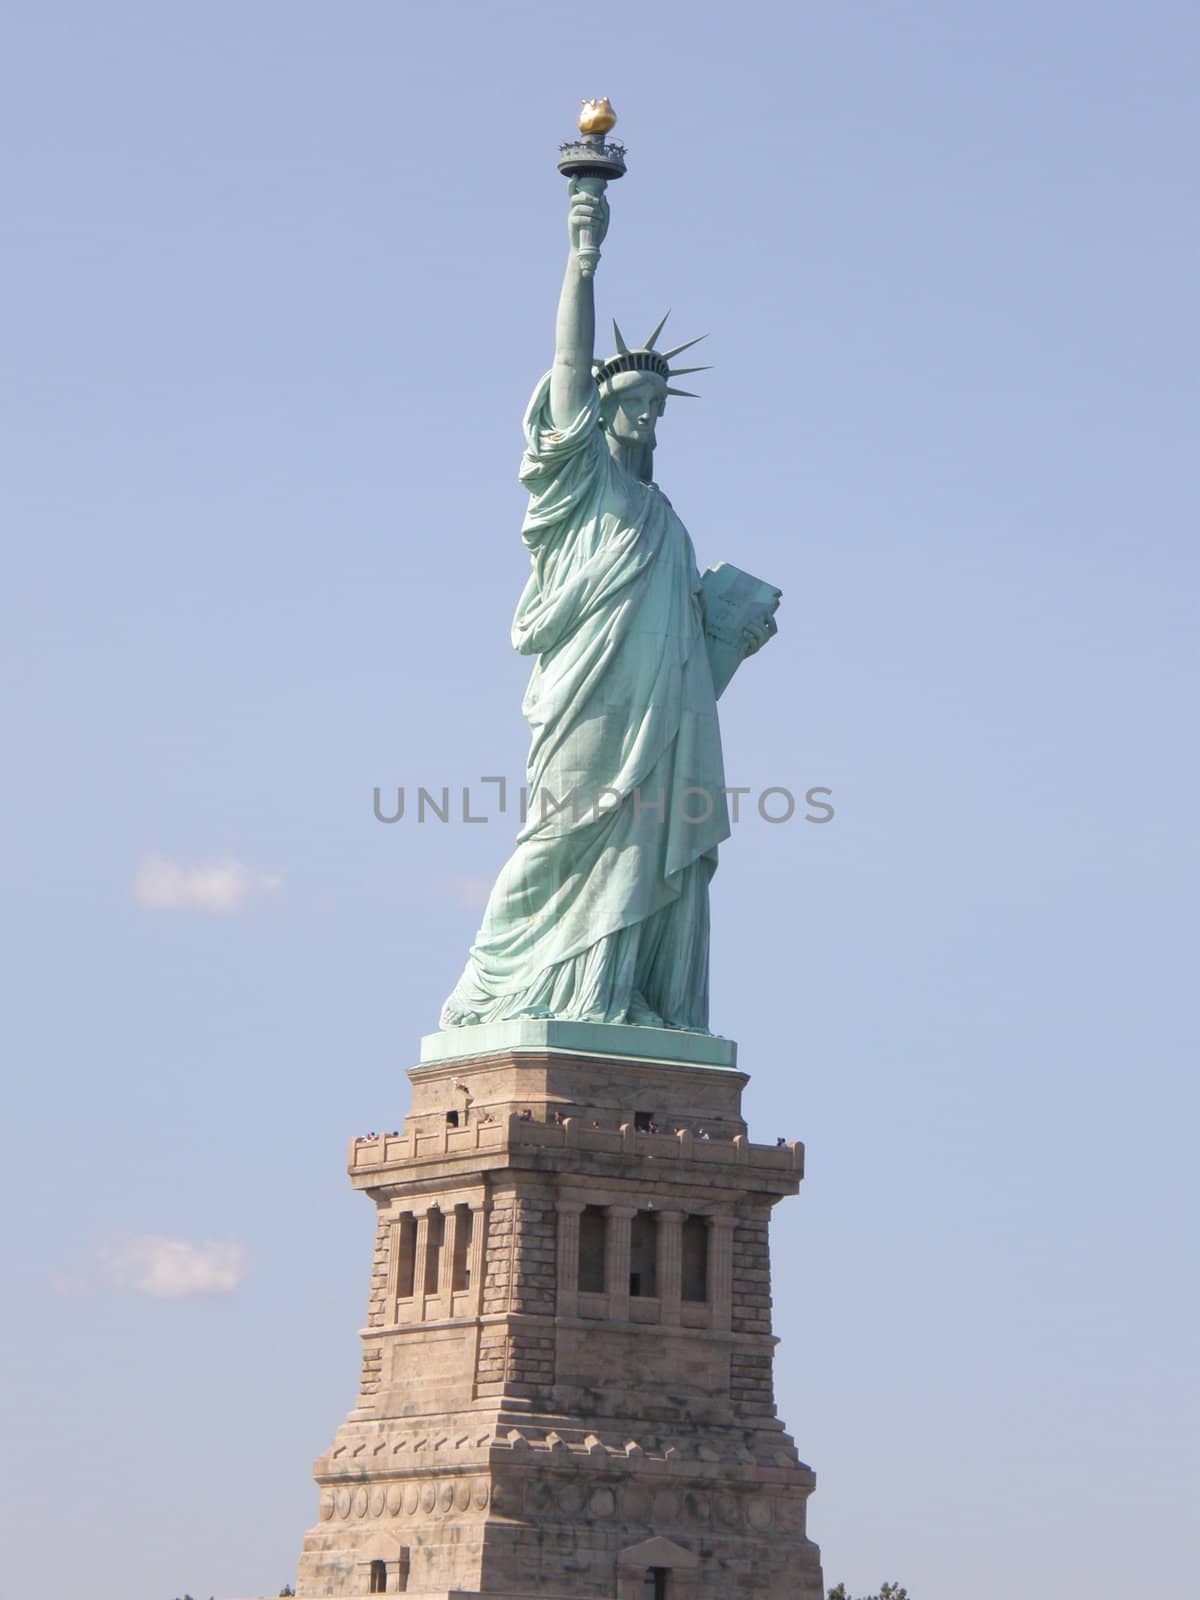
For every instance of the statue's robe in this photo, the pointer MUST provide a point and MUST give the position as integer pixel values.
(601, 913)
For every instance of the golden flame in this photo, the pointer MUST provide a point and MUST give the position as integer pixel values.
(597, 116)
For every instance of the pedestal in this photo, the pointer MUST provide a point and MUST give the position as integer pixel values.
(566, 1386)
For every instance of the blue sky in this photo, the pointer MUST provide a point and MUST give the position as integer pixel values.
(279, 280)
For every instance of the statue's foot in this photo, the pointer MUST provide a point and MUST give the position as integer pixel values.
(640, 1015)
(452, 1017)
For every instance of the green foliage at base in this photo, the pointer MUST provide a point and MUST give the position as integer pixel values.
(887, 1591)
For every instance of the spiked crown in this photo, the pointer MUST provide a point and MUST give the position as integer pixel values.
(645, 358)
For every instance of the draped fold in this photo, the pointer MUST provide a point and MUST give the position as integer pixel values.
(601, 912)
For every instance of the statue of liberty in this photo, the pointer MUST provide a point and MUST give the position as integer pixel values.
(601, 913)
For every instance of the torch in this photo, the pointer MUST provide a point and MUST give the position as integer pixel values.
(593, 161)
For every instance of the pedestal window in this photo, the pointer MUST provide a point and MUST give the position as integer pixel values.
(643, 1256)
(593, 1250)
(464, 1227)
(404, 1243)
(695, 1258)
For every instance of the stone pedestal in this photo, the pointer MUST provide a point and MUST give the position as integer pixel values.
(566, 1388)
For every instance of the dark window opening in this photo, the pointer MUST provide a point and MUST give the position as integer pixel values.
(643, 1250)
(452, 1119)
(464, 1227)
(406, 1256)
(695, 1258)
(379, 1578)
(593, 1250)
(435, 1223)
(642, 1121)
(654, 1586)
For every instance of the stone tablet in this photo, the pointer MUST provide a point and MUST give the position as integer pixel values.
(734, 604)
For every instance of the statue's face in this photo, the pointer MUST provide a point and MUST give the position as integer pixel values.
(632, 408)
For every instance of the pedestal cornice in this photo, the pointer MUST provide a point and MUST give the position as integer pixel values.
(620, 1041)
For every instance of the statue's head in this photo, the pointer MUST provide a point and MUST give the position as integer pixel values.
(634, 385)
(630, 406)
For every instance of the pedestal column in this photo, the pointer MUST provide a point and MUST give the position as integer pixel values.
(567, 1274)
(420, 1256)
(669, 1269)
(720, 1270)
(616, 1253)
(391, 1306)
(479, 1213)
(445, 1283)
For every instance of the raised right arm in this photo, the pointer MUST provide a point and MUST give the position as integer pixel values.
(571, 380)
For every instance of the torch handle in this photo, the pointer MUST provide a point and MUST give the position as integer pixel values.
(588, 253)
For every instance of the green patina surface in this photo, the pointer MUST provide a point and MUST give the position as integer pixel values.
(601, 913)
(580, 1038)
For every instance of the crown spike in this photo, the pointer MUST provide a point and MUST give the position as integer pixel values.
(678, 372)
(686, 393)
(622, 347)
(650, 341)
(680, 348)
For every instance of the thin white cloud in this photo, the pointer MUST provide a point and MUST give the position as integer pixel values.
(470, 893)
(69, 1284)
(219, 887)
(171, 1269)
